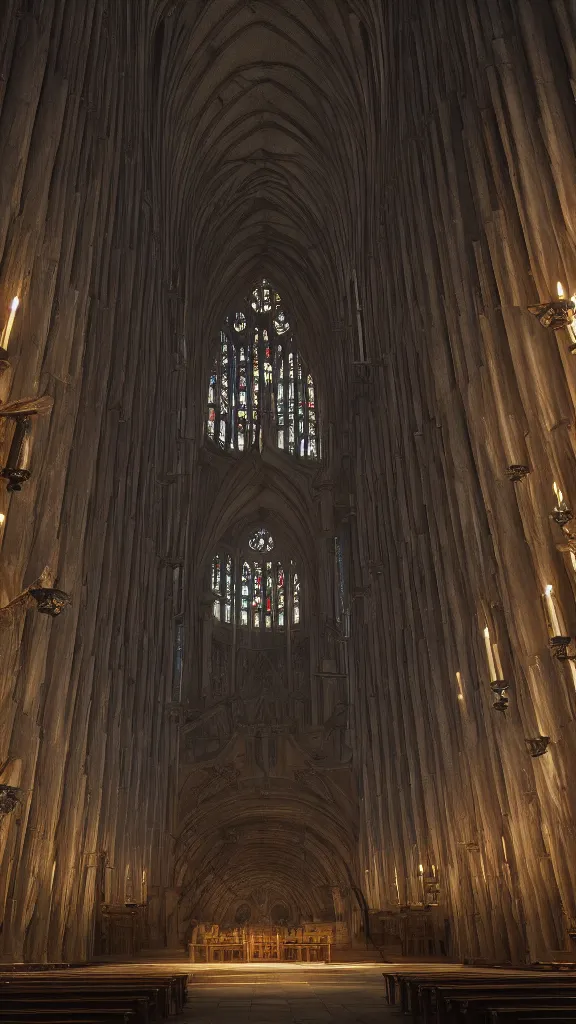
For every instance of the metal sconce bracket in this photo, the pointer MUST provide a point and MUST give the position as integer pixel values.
(538, 745)
(17, 468)
(517, 472)
(49, 600)
(559, 648)
(554, 314)
(562, 514)
(8, 798)
(499, 690)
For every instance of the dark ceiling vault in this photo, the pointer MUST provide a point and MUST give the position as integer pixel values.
(158, 159)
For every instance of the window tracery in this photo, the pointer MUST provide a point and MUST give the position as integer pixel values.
(257, 358)
(255, 590)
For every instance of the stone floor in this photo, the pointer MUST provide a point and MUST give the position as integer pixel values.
(266, 994)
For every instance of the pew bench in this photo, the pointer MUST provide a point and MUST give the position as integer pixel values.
(147, 999)
(444, 1003)
(166, 993)
(139, 1005)
(60, 1016)
(522, 1015)
(472, 1009)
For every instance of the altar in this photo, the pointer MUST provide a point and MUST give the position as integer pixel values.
(306, 944)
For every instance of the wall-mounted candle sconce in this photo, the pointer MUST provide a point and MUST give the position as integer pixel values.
(559, 646)
(558, 642)
(501, 702)
(517, 472)
(17, 468)
(555, 314)
(17, 471)
(561, 514)
(538, 745)
(8, 798)
(497, 683)
(4, 364)
(50, 601)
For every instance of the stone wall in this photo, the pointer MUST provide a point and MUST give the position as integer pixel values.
(84, 733)
(157, 158)
(469, 221)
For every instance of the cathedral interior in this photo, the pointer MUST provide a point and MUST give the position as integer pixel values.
(287, 456)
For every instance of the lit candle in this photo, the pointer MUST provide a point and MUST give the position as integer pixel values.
(558, 494)
(10, 323)
(2, 518)
(490, 655)
(498, 662)
(560, 290)
(553, 620)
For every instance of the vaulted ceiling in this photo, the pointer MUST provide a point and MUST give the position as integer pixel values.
(260, 115)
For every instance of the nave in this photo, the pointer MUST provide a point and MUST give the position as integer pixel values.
(314, 993)
(359, 991)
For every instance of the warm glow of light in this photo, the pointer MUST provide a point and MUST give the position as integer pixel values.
(496, 654)
(460, 693)
(560, 290)
(490, 656)
(2, 518)
(8, 329)
(553, 619)
(420, 869)
(558, 493)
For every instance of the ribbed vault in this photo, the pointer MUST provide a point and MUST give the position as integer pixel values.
(258, 113)
(286, 842)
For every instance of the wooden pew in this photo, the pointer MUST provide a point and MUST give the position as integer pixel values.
(472, 1009)
(88, 1002)
(158, 999)
(437, 1002)
(522, 1015)
(167, 993)
(110, 1016)
(416, 993)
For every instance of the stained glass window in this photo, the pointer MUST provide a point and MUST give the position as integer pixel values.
(222, 588)
(261, 540)
(257, 355)
(253, 591)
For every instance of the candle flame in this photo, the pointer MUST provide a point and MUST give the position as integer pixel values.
(420, 869)
(2, 518)
(560, 290)
(558, 493)
(486, 633)
(548, 589)
(15, 303)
